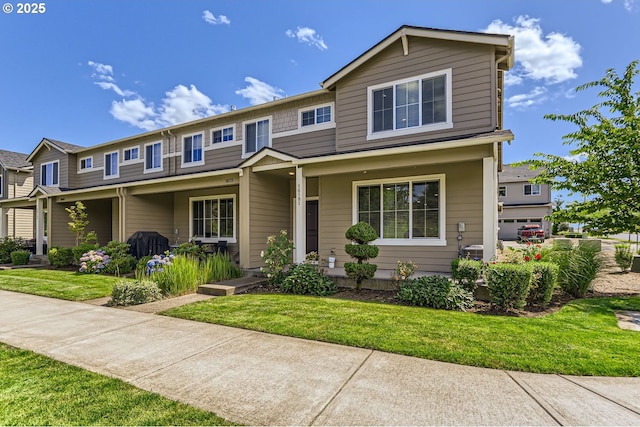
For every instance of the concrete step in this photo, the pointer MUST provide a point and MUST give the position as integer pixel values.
(231, 287)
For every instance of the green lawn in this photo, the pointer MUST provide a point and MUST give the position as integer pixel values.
(60, 284)
(36, 390)
(581, 339)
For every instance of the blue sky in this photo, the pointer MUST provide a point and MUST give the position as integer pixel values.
(88, 72)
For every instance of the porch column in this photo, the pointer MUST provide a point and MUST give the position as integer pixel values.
(4, 222)
(489, 207)
(301, 217)
(39, 225)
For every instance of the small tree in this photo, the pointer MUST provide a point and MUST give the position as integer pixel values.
(361, 233)
(78, 221)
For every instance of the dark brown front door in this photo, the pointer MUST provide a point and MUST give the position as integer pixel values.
(312, 226)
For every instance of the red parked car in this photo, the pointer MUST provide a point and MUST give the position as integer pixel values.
(531, 232)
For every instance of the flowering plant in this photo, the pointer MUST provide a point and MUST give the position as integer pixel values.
(530, 252)
(312, 258)
(158, 262)
(403, 272)
(277, 256)
(93, 261)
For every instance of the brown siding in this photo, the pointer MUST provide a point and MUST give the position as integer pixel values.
(20, 223)
(149, 213)
(99, 216)
(59, 234)
(472, 80)
(49, 155)
(307, 144)
(19, 184)
(463, 203)
(270, 211)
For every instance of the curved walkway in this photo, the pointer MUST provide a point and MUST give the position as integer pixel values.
(261, 379)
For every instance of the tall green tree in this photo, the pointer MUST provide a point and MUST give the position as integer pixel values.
(604, 168)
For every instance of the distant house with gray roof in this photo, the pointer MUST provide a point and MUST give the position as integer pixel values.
(16, 180)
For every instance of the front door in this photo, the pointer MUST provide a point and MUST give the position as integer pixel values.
(312, 226)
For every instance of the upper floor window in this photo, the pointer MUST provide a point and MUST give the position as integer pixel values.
(49, 173)
(403, 212)
(153, 157)
(316, 116)
(532, 189)
(130, 154)
(502, 191)
(86, 163)
(417, 104)
(192, 149)
(256, 136)
(111, 165)
(222, 135)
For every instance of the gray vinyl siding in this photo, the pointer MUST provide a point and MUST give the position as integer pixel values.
(473, 93)
(307, 144)
(152, 212)
(270, 212)
(515, 194)
(463, 195)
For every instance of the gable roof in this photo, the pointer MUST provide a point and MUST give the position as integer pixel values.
(516, 173)
(503, 43)
(63, 147)
(14, 161)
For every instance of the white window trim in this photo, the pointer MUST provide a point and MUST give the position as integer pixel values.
(126, 162)
(191, 164)
(104, 173)
(1, 186)
(144, 160)
(505, 190)
(317, 126)
(85, 170)
(50, 163)
(423, 241)
(416, 129)
(223, 144)
(532, 193)
(215, 197)
(244, 139)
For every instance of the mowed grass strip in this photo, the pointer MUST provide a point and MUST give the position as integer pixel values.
(60, 284)
(36, 390)
(581, 339)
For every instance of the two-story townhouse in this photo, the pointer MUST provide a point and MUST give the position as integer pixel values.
(16, 180)
(522, 201)
(407, 137)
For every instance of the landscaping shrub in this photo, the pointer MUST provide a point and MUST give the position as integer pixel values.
(219, 267)
(20, 257)
(180, 276)
(142, 269)
(277, 256)
(466, 272)
(307, 279)
(508, 284)
(544, 276)
(94, 262)
(190, 249)
(436, 292)
(128, 292)
(578, 267)
(623, 256)
(8, 245)
(403, 272)
(121, 262)
(79, 251)
(361, 233)
(60, 257)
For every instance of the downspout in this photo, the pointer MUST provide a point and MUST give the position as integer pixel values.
(170, 152)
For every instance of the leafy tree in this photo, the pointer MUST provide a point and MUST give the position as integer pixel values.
(607, 172)
(78, 221)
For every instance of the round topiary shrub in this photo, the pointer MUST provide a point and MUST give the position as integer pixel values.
(362, 233)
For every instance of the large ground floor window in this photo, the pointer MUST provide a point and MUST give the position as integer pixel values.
(403, 211)
(213, 218)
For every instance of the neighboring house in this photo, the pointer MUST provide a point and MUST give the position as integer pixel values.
(16, 180)
(522, 202)
(407, 137)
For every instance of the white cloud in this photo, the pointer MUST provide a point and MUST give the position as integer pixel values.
(521, 101)
(101, 71)
(259, 92)
(576, 158)
(606, 1)
(114, 87)
(309, 36)
(211, 18)
(629, 5)
(135, 112)
(552, 58)
(184, 104)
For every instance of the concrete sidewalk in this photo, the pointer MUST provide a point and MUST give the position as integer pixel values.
(261, 379)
